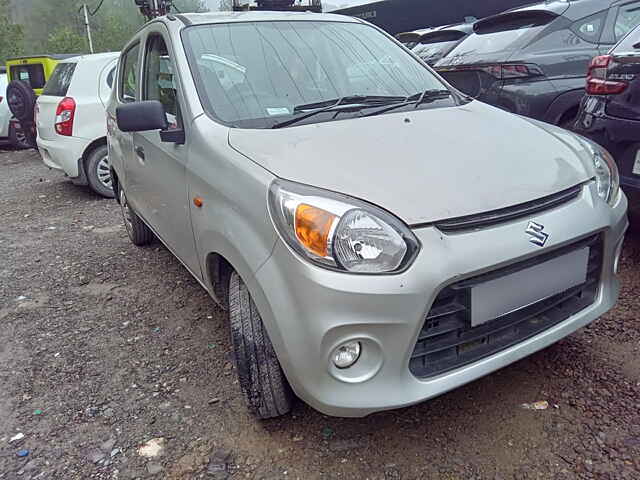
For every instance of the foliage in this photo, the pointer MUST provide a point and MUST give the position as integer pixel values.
(65, 40)
(11, 36)
(59, 26)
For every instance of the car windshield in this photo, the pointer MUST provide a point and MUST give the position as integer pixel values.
(255, 74)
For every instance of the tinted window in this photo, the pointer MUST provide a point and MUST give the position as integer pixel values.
(590, 28)
(249, 73)
(628, 18)
(630, 43)
(58, 84)
(32, 75)
(159, 80)
(504, 33)
(129, 75)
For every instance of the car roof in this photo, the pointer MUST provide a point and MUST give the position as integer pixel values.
(93, 57)
(53, 56)
(264, 16)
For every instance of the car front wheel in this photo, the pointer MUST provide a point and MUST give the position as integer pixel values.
(266, 390)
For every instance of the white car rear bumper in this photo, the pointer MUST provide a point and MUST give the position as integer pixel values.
(63, 153)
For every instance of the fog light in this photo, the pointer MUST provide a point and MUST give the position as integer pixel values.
(346, 354)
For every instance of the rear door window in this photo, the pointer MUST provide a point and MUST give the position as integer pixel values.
(58, 84)
(32, 75)
(628, 18)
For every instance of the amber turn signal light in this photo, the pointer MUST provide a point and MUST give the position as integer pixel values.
(198, 202)
(313, 226)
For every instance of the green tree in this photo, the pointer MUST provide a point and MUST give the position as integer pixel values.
(65, 40)
(11, 36)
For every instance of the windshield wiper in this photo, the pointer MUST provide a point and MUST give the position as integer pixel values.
(343, 104)
(416, 99)
(365, 99)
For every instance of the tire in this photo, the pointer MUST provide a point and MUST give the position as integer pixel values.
(17, 138)
(138, 232)
(21, 100)
(98, 172)
(265, 388)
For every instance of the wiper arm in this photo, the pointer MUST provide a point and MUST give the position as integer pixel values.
(366, 99)
(416, 99)
(342, 104)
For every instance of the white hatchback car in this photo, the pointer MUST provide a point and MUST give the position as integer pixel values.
(9, 135)
(71, 123)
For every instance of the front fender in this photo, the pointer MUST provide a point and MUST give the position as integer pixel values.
(233, 220)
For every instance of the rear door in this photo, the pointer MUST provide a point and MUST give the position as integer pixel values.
(54, 91)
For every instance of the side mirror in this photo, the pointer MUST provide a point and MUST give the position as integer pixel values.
(141, 116)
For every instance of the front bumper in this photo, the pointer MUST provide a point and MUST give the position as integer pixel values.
(63, 154)
(308, 311)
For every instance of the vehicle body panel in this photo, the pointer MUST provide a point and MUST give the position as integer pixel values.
(561, 49)
(416, 165)
(613, 121)
(371, 174)
(88, 78)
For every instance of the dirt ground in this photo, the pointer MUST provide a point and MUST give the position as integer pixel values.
(104, 346)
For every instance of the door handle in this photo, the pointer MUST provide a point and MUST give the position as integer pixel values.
(140, 152)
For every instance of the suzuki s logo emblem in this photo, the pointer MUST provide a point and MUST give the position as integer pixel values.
(537, 234)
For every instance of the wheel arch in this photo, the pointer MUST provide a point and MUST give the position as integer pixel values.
(564, 105)
(98, 142)
(218, 274)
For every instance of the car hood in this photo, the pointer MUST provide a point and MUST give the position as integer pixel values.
(425, 165)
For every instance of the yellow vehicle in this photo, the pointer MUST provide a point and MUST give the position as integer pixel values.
(34, 71)
(26, 78)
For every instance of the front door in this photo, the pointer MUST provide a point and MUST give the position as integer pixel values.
(159, 167)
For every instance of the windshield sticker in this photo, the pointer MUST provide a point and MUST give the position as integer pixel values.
(278, 111)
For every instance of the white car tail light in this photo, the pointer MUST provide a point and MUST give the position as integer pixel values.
(65, 114)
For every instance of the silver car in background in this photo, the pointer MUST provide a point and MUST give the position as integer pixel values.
(377, 237)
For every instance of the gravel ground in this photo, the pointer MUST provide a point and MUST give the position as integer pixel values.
(104, 346)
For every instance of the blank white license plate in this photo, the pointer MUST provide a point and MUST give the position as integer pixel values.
(636, 164)
(517, 290)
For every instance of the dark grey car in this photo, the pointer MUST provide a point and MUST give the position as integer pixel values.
(533, 60)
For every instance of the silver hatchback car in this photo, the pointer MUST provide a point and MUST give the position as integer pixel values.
(377, 237)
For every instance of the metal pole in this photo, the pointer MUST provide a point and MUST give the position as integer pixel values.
(86, 23)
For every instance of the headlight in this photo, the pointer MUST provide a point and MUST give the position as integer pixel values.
(607, 177)
(339, 232)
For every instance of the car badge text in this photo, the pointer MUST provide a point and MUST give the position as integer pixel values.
(536, 232)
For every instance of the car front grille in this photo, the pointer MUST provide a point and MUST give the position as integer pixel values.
(448, 341)
(526, 209)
